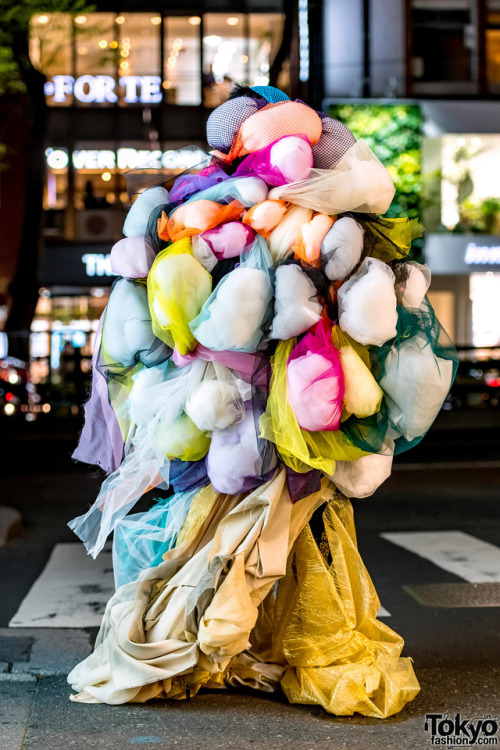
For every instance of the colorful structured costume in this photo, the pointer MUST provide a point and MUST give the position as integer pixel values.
(265, 352)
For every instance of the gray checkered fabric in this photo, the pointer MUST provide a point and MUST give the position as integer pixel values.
(335, 140)
(226, 120)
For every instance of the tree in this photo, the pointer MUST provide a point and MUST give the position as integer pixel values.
(23, 117)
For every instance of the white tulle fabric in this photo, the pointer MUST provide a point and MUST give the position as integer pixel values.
(416, 382)
(218, 400)
(137, 219)
(367, 303)
(156, 404)
(132, 257)
(296, 307)
(362, 477)
(412, 282)
(233, 316)
(358, 182)
(342, 248)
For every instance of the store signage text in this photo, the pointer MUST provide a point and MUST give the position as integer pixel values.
(102, 89)
(482, 255)
(97, 264)
(125, 158)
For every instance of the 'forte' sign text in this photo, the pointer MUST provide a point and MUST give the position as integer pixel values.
(101, 89)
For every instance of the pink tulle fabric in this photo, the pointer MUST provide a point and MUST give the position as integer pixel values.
(229, 240)
(288, 159)
(316, 381)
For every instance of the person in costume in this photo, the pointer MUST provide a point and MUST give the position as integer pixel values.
(266, 350)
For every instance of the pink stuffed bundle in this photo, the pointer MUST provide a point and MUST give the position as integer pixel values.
(316, 381)
(288, 159)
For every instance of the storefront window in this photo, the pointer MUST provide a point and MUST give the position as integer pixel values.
(485, 298)
(238, 48)
(181, 84)
(470, 190)
(493, 46)
(266, 32)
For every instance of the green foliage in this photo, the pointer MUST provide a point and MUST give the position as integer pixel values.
(15, 20)
(394, 134)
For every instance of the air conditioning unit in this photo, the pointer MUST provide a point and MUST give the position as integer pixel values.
(95, 225)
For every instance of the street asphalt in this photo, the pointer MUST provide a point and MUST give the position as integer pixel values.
(452, 483)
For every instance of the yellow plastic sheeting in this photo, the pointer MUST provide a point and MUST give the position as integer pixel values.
(299, 449)
(340, 656)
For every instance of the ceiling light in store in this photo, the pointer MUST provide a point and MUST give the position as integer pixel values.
(106, 176)
(124, 65)
(42, 19)
(124, 53)
(81, 19)
(170, 65)
(244, 58)
(177, 44)
(174, 53)
(172, 60)
(156, 20)
(120, 19)
(166, 84)
(232, 21)
(96, 292)
(212, 41)
(103, 44)
(194, 20)
(9, 409)
(82, 50)
(46, 408)
(126, 41)
(461, 141)
(476, 141)
(113, 45)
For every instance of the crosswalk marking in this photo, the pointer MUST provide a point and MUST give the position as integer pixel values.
(71, 592)
(459, 553)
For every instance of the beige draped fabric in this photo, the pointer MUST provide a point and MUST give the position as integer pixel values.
(195, 611)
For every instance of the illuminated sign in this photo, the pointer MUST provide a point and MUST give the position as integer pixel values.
(125, 158)
(102, 89)
(303, 40)
(482, 254)
(97, 264)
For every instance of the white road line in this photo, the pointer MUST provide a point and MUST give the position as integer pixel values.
(71, 592)
(464, 555)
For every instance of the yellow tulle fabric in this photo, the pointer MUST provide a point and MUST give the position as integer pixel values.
(178, 286)
(326, 629)
(392, 239)
(299, 449)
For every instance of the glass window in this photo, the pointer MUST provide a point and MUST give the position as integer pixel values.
(96, 45)
(266, 33)
(225, 55)
(51, 52)
(181, 84)
(138, 57)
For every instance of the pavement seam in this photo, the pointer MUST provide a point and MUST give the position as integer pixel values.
(28, 717)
